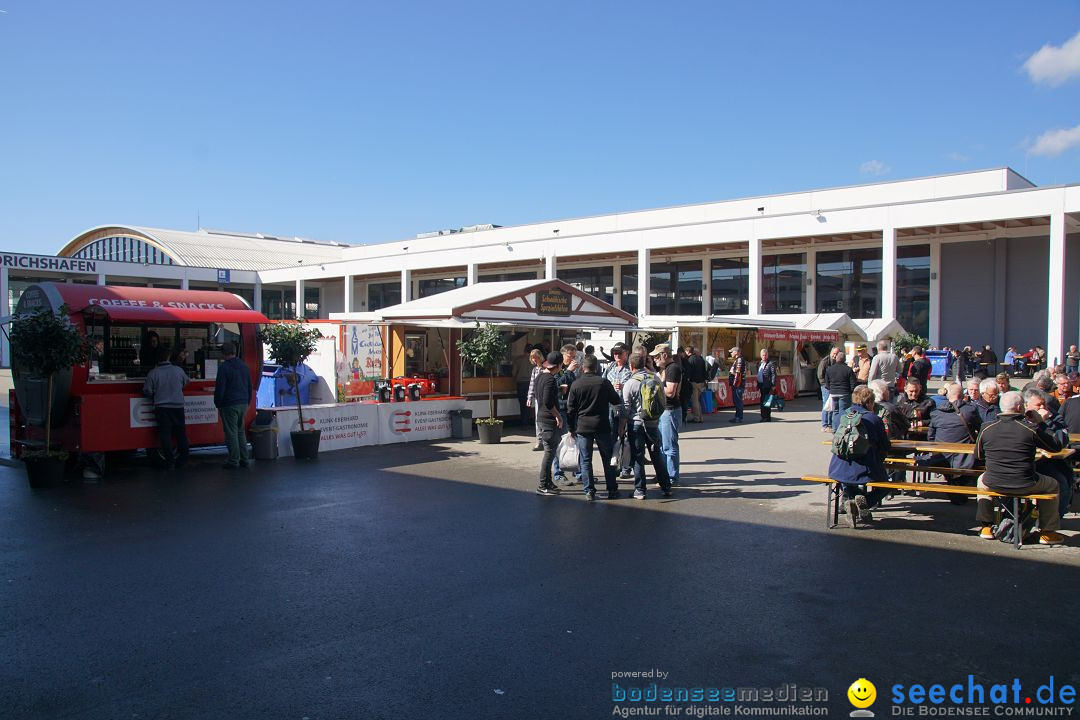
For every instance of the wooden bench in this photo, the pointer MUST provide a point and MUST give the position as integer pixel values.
(1015, 510)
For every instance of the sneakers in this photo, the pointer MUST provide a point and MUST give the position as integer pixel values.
(852, 514)
(666, 492)
(90, 474)
(639, 494)
(537, 447)
(613, 495)
(590, 495)
(549, 490)
(987, 533)
(563, 480)
(1051, 538)
(864, 508)
(625, 475)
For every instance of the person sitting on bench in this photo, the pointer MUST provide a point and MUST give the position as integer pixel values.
(1036, 400)
(1007, 446)
(915, 405)
(856, 470)
(953, 422)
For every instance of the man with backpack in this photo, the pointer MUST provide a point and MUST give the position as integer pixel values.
(643, 398)
(859, 447)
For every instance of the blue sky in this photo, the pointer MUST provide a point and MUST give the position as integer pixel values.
(370, 122)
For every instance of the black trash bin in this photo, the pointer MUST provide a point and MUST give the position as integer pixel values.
(461, 424)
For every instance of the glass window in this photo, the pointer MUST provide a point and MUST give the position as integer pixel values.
(675, 288)
(849, 281)
(434, 286)
(272, 306)
(628, 283)
(913, 288)
(783, 283)
(731, 286)
(311, 302)
(505, 277)
(382, 295)
(596, 281)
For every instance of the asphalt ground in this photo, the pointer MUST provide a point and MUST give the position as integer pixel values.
(428, 581)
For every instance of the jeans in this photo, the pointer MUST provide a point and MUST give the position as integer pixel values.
(555, 469)
(232, 419)
(695, 400)
(766, 413)
(1069, 369)
(840, 404)
(585, 448)
(170, 424)
(642, 437)
(550, 441)
(826, 415)
(668, 426)
(736, 397)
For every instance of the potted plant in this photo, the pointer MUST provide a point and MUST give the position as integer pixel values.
(905, 341)
(291, 343)
(44, 344)
(485, 348)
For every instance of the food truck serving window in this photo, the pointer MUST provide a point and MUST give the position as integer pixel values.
(131, 350)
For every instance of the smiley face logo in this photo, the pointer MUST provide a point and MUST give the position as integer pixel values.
(862, 693)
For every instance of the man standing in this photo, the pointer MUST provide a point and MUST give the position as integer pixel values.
(617, 373)
(1072, 360)
(164, 385)
(588, 406)
(696, 375)
(1007, 445)
(643, 431)
(766, 381)
(671, 418)
(549, 420)
(860, 365)
(232, 395)
(885, 365)
(920, 366)
(737, 380)
(826, 415)
(522, 369)
(841, 382)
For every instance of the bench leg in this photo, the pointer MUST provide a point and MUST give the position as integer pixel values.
(1019, 523)
(829, 524)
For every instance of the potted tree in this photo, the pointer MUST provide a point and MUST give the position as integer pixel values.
(44, 344)
(291, 343)
(485, 348)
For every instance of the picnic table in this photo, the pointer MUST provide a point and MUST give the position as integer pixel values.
(932, 446)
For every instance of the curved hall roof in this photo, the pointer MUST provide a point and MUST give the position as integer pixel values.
(219, 248)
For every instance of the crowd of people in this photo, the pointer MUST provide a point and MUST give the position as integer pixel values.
(1005, 425)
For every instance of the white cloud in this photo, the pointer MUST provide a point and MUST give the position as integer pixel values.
(1054, 65)
(874, 167)
(1055, 142)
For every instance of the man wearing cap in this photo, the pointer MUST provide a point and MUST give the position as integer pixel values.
(671, 418)
(549, 419)
(232, 395)
(737, 380)
(617, 373)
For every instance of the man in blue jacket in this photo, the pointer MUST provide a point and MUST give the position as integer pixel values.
(855, 471)
(232, 395)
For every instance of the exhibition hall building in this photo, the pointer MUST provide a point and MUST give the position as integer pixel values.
(973, 258)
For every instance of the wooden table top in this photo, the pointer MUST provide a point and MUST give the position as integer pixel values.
(931, 446)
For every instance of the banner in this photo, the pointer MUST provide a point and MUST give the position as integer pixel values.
(797, 335)
(422, 420)
(198, 410)
(343, 426)
(785, 388)
(363, 351)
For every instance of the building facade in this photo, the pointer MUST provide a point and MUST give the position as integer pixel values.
(982, 257)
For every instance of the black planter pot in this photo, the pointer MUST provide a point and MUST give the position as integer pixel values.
(305, 444)
(489, 434)
(44, 471)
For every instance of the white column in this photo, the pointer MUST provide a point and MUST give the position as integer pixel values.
(348, 293)
(299, 298)
(643, 278)
(101, 279)
(5, 299)
(550, 266)
(184, 283)
(935, 295)
(472, 271)
(257, 305)
(1055, 310)
(706, 287)
(811, 281)
(406, 286)
(755, 276)
(888, 272)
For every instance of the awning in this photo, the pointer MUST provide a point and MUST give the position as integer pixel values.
(170, 315)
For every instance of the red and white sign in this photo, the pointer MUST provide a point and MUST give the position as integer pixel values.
(797, 335)
(343, 426)
(422, 420)
(785, 388)
(198, 410)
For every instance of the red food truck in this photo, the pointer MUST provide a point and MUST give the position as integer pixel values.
(98, 406)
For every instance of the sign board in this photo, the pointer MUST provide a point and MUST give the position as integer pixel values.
(47, 262)
(785, 387)
(364, 351)
(408, 421)
(198, 410)
(553, 302)
(343, 426)
(223, 276)
(797, 335)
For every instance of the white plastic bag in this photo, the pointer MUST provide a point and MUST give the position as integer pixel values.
(568, 454)
(617, 453)
(830, 405)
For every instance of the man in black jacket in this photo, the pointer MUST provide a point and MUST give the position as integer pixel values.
(232, 396)
(915, 405)
(826, 415)
(588, 405)
(696, 375)
(840, 381)
(920, 366)
(1007, 446)
(549, 419)
(953, 422)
